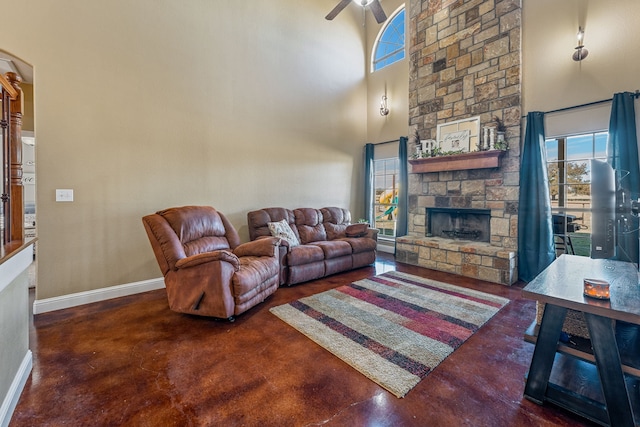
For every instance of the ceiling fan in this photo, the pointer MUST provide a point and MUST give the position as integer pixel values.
(376, 9)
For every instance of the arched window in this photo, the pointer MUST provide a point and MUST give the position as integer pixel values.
(389, 47)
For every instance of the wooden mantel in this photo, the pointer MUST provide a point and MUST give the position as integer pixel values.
(464, 161)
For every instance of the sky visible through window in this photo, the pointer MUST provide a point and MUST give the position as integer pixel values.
(390, 47)
(579, 148)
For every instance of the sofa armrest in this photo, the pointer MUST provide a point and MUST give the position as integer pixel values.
(207, 257)
(266, 246)
(372, 233)
(356, 230)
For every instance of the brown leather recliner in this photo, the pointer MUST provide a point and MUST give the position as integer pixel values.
(206, 270)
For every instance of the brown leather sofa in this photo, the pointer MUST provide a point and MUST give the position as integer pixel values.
(328, 242)
(206, 270)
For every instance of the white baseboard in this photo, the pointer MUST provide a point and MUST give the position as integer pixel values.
(96, 295)
(390, 249)
(11, 399)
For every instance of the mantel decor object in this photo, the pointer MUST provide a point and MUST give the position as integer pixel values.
(459, 135)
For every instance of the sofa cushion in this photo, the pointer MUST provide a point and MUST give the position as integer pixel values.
(336, 215)
(360, 244)
(304, 254)
(309, 225)
(335, 231)
(335, 221)
(282, 230)
(334, 248)
(258, 221)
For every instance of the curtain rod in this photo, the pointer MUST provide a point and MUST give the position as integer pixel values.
(588, 104)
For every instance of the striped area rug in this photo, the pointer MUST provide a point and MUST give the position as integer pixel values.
(394, 328)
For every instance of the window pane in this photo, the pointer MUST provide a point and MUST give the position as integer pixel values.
(391, 46)
(553, 191)
(385, 202)
(562, 195)
(570, 189)
(578, 195)
(577, 172)
(579, 147)
(552, 149)
(552, 172)
(601, 145)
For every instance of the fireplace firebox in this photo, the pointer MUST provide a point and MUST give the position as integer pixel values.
(459, 223)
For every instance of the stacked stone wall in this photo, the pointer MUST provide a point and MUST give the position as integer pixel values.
(465, 62)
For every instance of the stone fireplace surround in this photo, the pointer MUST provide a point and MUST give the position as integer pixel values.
(493, 261)
(465, 58)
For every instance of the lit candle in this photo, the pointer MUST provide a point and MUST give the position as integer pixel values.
(596, 288)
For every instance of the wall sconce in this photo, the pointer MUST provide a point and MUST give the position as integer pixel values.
(580, 52)
(384, 110)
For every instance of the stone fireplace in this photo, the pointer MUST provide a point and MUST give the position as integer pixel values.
(464, 62)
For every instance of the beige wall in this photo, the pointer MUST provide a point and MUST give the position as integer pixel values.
(145, 105)
(551, 79)
(392, 80)
(27, 106)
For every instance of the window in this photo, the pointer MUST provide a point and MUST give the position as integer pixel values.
(385, 203)
(389, 47)
(569, 174)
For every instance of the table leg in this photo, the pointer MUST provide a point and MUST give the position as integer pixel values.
(544, 352)
(605, 350)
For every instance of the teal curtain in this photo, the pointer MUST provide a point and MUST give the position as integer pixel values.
(536, 249)
(368, 183)
(403, 189)
(622, 155)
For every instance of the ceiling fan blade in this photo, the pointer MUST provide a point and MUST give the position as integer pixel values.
(336, 10)
(377, 11)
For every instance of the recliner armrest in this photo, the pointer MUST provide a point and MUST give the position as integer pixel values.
(206, 257)
(266, 246)
(372, 233)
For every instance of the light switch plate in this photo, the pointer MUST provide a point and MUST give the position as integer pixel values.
(64, 195)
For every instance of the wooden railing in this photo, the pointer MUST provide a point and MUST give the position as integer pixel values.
(7, 86)
(12, 196)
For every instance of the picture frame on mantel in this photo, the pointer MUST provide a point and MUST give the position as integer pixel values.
(459, 135)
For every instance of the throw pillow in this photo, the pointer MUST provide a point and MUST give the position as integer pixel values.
(282, 230)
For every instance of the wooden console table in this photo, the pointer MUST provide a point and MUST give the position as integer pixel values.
(560, 286)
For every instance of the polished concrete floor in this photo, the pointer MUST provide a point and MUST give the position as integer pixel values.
(131, 361)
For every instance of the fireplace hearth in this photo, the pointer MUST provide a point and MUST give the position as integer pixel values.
(459, 224)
